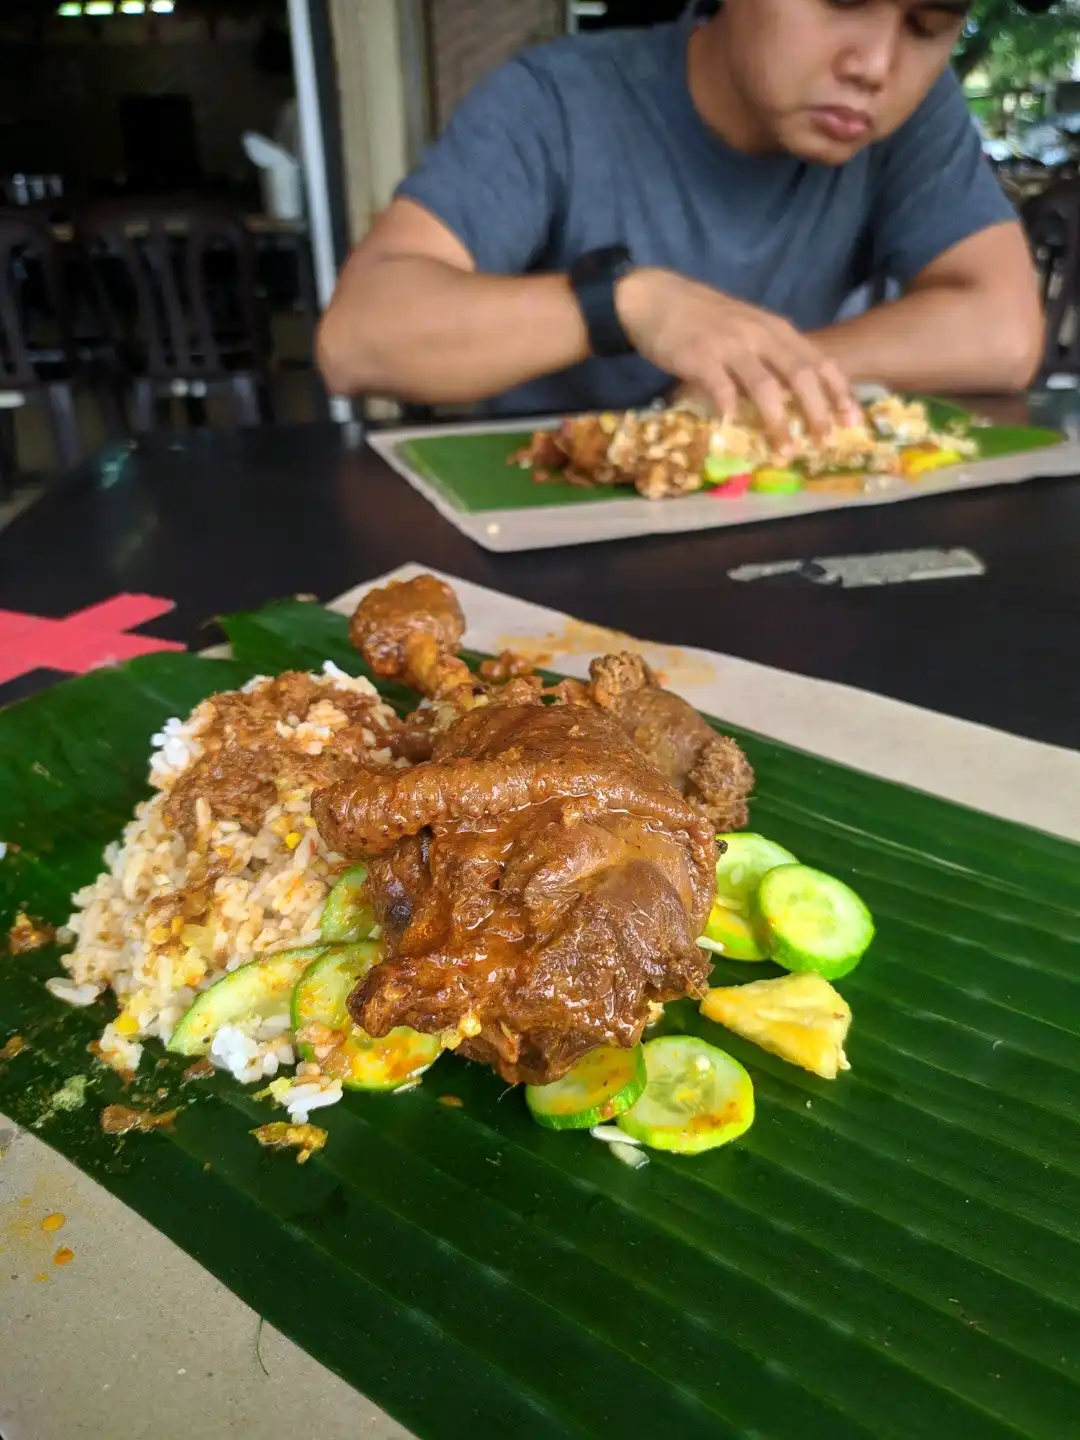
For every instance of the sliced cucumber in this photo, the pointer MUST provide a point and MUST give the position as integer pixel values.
(696, 1097)
(348, 914)
(740, 868)
(719, 469)
(357, 1059)
(746, 858)
(730, 933)
(258, 990)
(812, 921)
(600, 1086)
(770, 481)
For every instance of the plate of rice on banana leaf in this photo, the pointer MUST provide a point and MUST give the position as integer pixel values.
(636, 1070)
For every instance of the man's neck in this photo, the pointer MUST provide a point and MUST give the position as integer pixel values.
(716, 95)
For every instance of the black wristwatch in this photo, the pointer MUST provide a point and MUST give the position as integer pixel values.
(593, 278)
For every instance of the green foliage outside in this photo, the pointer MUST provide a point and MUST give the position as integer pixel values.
(1008, 49)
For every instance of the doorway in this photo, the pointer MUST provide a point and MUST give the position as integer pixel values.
(625, 14)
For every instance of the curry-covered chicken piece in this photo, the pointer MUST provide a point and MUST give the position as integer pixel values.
(410, 630)
(577, 450)
(709, 769)
(540, 887)
(390, 620)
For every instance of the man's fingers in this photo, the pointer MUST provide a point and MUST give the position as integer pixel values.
(819, 385)
(841, 396)
(698, 397)
(724, 394)
(808, 388)
(759, 383)
(730, 350)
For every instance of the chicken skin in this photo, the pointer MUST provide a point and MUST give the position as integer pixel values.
(539, 885)
(709, 769)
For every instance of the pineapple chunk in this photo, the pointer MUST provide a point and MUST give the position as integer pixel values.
(924, 458)
(800, 1017)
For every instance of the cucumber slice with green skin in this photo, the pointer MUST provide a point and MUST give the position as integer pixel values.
(260, 989)
(357, 1059)
(770, 481)
(812, 921)
(696, 1097)
(600, 1086)
(730, 933)
(348, 914)
(740, 869)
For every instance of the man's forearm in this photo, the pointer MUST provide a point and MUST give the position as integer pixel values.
(939, 339)
(414, 328)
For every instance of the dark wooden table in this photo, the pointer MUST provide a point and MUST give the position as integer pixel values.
(223, 520)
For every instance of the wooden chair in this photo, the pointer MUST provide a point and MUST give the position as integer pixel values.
(38, 361)
(1052, 221)
(176, 280)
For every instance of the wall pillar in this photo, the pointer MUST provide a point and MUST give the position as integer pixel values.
(376, 98)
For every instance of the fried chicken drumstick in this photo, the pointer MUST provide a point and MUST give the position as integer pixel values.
(411, 631)
(540, 882)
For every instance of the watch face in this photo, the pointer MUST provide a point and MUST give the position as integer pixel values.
(611, 260)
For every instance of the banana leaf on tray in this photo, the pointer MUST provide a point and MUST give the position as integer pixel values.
(896, 1253)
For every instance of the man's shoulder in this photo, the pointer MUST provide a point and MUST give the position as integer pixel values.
(599, 57)
(943, 103)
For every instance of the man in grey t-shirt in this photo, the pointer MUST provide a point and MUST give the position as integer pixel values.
(611, 214)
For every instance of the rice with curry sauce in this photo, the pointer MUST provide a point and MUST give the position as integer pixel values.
(223, 863)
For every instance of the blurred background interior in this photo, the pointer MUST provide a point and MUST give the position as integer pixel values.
(181, 179)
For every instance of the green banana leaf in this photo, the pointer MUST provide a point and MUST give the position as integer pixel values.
(477, 473)
(893, 1254)
(993, 441)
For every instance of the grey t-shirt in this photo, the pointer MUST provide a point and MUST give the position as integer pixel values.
(594, 140)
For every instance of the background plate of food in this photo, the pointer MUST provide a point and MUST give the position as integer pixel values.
(611, 476)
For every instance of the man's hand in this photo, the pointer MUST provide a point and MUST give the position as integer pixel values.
(726, 350)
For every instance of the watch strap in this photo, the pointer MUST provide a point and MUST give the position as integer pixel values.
(593, 278)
